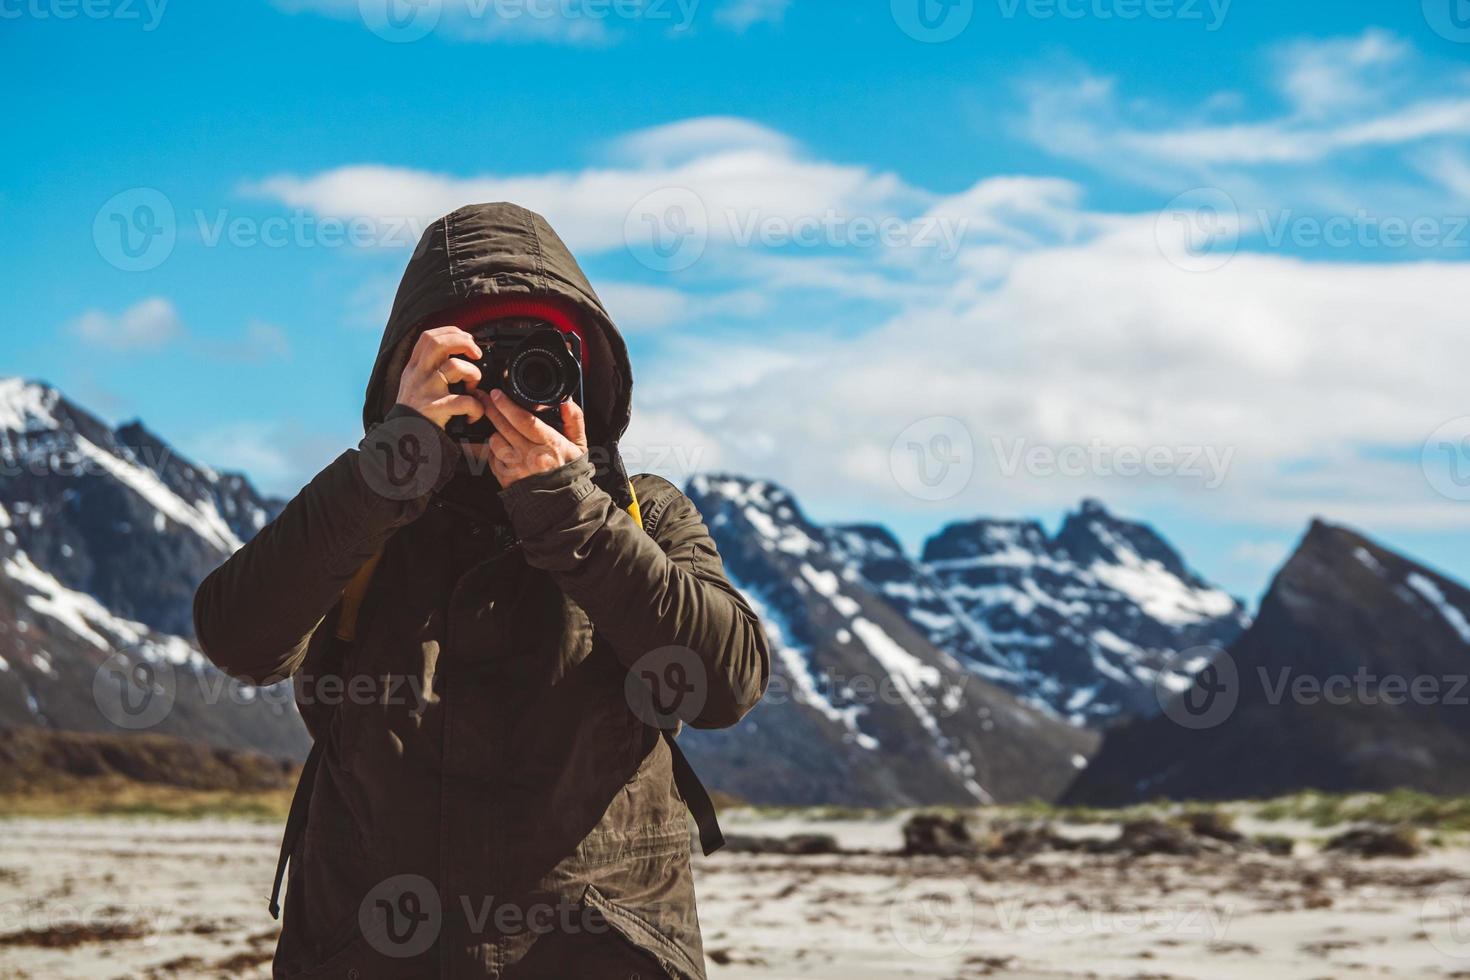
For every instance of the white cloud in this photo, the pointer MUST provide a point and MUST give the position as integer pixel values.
(1053, 324)
(672, 445)
(678, 142)
(260, 341)
(479, 20)
(1448, 168)
(146, 325)
(1070, 127)
(154, 323)
(741, 15)
(636, 307)
(1344, 96)
(743, 174)
(1270, 363)
(1322, 77)
(584, 23)
(279, 456)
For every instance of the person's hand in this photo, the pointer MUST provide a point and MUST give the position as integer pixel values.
(523, 445)
(433, 367)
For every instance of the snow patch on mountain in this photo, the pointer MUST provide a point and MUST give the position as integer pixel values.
(1160, 593)
(917, 683)
(26, 406)
(1435, 596)
(78, 612)
(795, 660)
(90, 620)
(1088, 622)
(202, 517)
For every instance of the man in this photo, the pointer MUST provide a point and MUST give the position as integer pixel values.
(478, 634)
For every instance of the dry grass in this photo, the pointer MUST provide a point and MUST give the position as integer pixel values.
(113, 798)
(55, 774)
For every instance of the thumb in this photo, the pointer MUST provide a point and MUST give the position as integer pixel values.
(574, 423)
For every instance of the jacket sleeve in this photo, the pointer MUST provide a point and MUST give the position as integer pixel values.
(254, 614)
(643, 594)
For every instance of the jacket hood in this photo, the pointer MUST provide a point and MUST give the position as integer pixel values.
(503, 251)
(484, 251)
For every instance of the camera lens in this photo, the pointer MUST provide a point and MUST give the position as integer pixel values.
(536, 376)
(542, 371)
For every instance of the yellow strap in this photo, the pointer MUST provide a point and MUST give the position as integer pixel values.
(352, 599)
(633, 510)
(352, 596)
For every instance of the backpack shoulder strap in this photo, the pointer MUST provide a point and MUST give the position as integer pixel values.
(696, 797)
(352, 597)
(295, 822)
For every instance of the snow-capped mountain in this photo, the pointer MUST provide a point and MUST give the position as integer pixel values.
(1351, 679)
(104, 535)
(1086, 624)
(117, 514)
(863, 707)
(1089, 622)
(948, 679)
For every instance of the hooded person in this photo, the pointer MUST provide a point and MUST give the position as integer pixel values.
(492, 647)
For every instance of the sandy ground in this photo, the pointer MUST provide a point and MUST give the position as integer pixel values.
(119, 898)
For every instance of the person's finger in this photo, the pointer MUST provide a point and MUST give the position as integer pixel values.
(574, 424)
(528, 425)
(501, 449)
(494, 411)
(450, 333)
(452, 405)
(457, 369)
(441, 335)
(434, 347)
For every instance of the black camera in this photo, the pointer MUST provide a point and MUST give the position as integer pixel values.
(535, 364)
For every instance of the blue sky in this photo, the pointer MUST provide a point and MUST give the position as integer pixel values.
(1226, 239)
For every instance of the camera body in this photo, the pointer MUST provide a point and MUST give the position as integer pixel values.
(535, 364)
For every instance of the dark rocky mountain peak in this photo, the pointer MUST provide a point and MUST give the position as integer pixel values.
(1352, 678)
